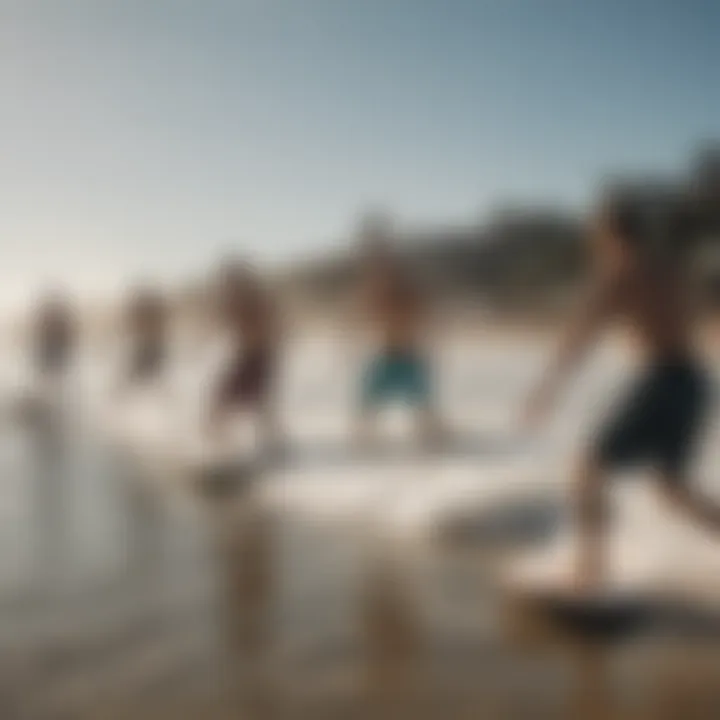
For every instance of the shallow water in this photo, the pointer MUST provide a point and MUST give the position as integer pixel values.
(330, 587)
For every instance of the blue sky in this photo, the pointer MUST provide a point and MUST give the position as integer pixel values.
(143, 137)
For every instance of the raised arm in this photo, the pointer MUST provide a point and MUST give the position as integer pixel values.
(595, 311)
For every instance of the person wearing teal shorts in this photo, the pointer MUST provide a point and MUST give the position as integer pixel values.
(396, 376)
(399, 371)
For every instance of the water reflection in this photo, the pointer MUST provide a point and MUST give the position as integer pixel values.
(143, 520)
(393, 637)
(49, 478)
(201, 612)
(244, 542)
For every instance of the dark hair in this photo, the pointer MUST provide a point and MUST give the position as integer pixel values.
(623, 220)
(658, 220)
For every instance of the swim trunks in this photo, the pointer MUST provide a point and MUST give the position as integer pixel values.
(53, 353)
(659, 420)
(147, 362)
(396, 376)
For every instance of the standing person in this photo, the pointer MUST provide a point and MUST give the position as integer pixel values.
(53, 346)
(146, 321)
(395, 310)
(641, 268)
(251, 323)
(54, 337)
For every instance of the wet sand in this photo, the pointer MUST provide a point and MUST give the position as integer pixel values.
(260, 605)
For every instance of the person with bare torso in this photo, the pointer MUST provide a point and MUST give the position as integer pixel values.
(394, 308)
(146, 321)
(646, 287)
(54, 337)
(251, 322)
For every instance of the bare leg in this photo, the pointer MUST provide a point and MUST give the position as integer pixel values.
(592, 527)
(272, 436)
(704, 510)
(365, 427)
(216, 425)
(430, 428)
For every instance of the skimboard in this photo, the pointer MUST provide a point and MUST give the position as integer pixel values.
(540, 589)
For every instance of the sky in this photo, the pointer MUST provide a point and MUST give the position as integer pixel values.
(142, 138)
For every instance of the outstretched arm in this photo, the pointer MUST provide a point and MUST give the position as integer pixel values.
(596, 309)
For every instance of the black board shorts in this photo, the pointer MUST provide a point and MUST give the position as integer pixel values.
(658, 421)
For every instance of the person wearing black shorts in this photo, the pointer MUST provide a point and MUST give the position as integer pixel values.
(658, 421)
(642, 278)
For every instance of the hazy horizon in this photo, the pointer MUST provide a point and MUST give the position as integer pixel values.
(144, 139)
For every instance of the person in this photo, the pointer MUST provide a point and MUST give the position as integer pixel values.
(392, 305)
(147, 325)
(46, 412)
(250, 319)
(641, 261)
(55, 337)
(52, 345)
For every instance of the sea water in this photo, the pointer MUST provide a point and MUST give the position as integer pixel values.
(86, 555)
